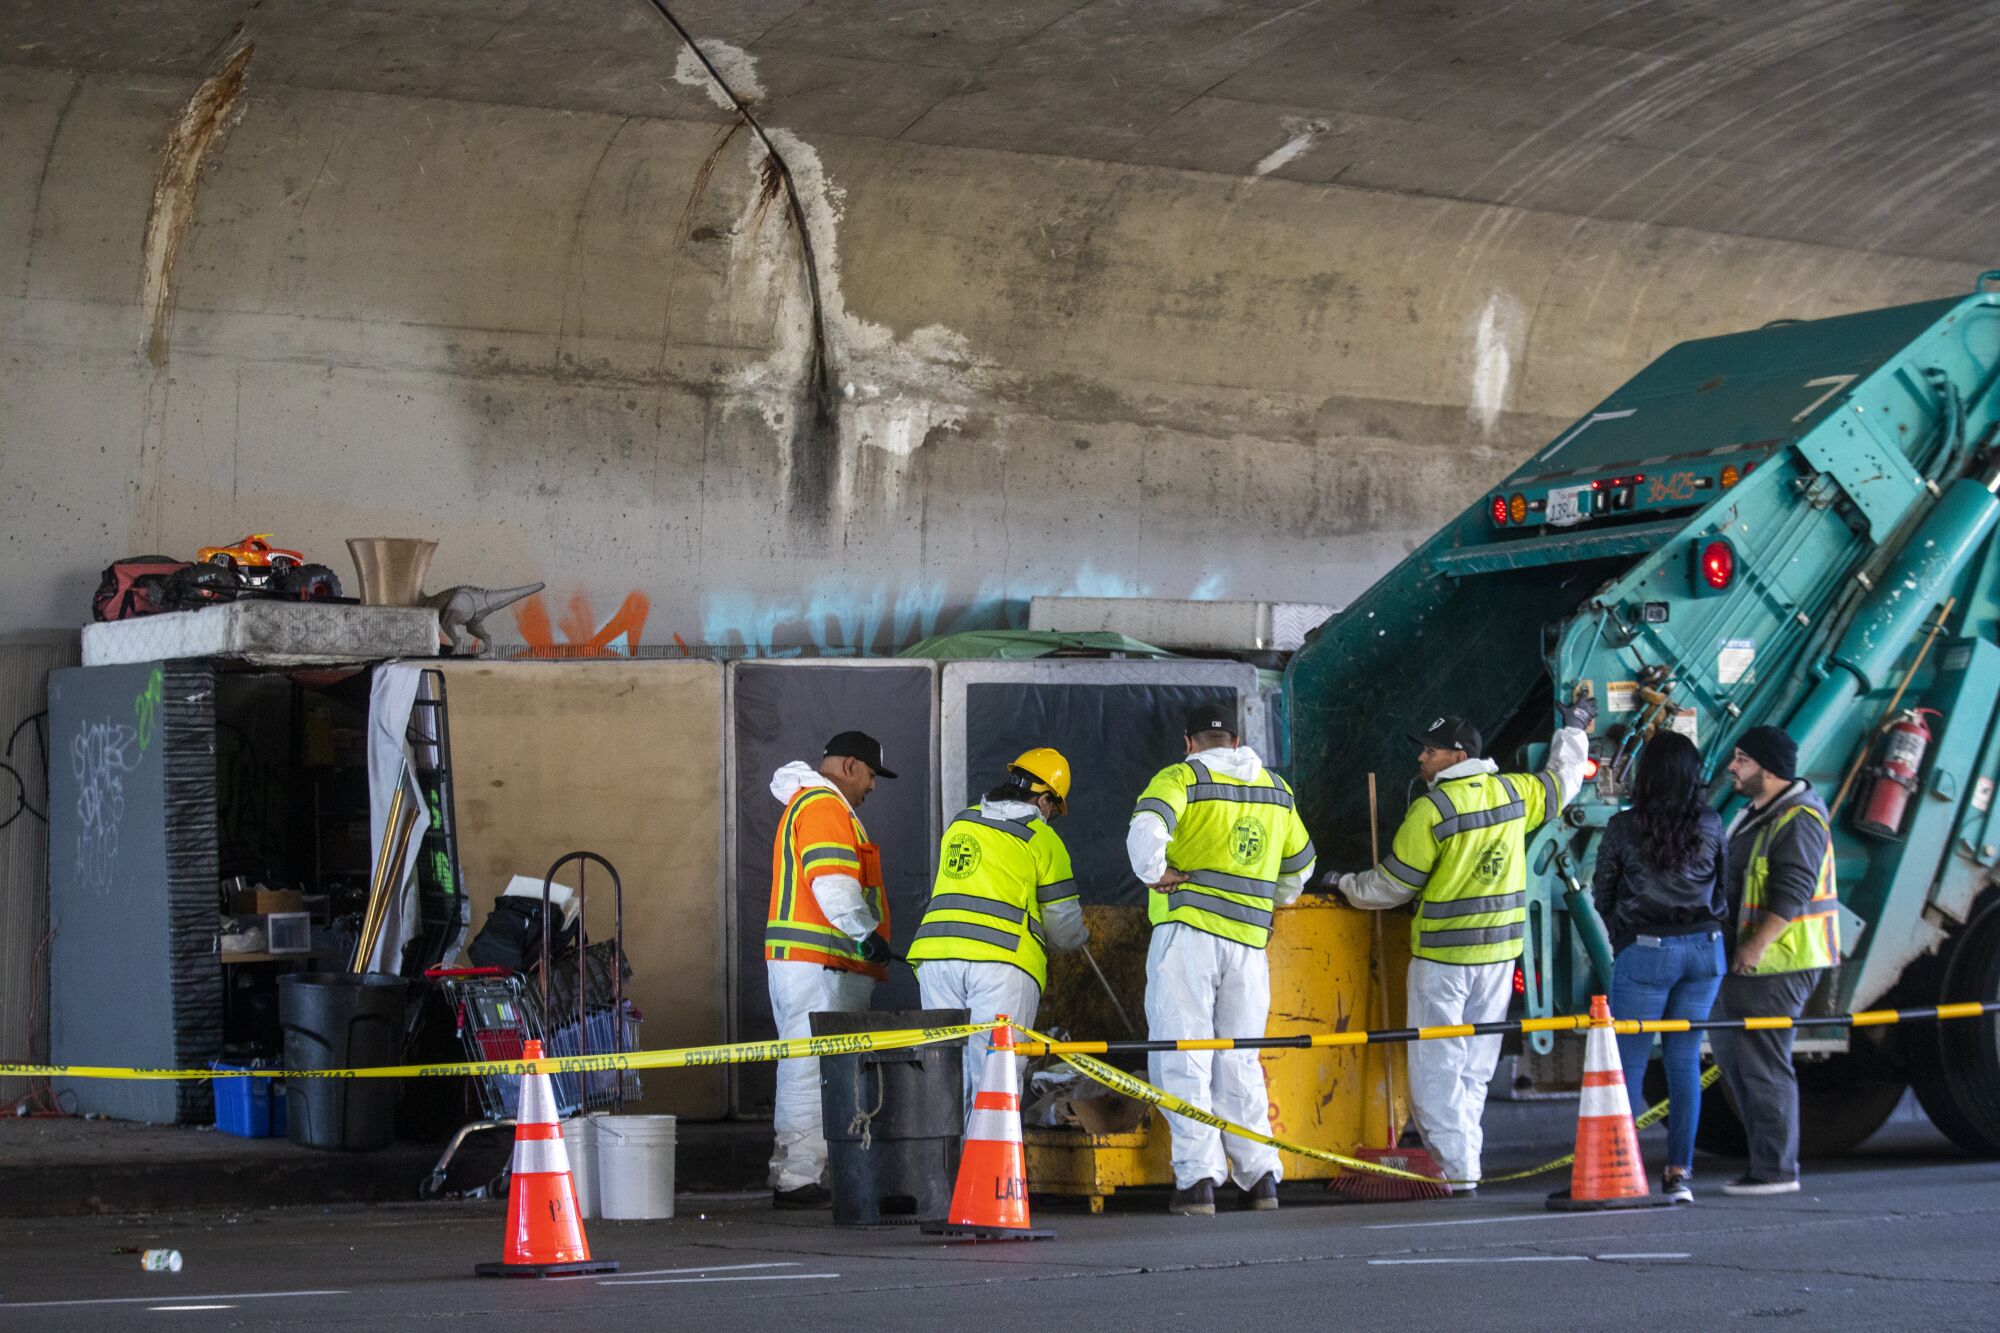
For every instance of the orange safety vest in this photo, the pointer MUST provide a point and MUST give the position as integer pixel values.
(819, 835)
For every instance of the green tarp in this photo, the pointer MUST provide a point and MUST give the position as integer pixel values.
(1015, 645)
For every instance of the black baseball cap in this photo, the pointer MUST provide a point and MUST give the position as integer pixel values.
(1449, 733)
(1215, 715)
(858, 745)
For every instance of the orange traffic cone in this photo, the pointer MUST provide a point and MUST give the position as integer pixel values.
(544, 1230)
(1608, 1172)
(990, 1200)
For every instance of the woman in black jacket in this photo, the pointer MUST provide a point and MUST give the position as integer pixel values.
(1659, 888)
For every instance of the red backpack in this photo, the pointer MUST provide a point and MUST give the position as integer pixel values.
(138, 586)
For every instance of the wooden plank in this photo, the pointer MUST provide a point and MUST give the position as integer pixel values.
(622, 758)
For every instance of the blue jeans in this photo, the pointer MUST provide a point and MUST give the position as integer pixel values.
(1668, 976)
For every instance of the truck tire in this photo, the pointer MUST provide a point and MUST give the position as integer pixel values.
(1955, 1065)
(1842, 1101)
(306, 583)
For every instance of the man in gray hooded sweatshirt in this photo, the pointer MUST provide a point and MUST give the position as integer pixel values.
(1786, 904)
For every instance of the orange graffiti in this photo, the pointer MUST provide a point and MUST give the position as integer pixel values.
(582, 635)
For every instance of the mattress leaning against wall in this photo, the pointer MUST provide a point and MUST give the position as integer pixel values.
(623, 758)
(780, 711)
(133, 976)
(1118, 723)
(24, 842)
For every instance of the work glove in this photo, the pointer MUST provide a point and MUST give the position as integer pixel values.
(1581, 713)
(1334, 885)
(874, 949)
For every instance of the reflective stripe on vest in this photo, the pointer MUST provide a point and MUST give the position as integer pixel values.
(1229, 842)
(986, 906)
(1474, 905)
(1813, 938)
(787, 930)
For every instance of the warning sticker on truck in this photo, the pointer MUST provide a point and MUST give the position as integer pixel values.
(1683, 721)
(1734, 660)
(1621, 696)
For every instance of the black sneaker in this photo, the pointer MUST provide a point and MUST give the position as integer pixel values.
(1677, 1185)
(1261, 1197)
(804, 1197)
(1751, 1185)
(1197, 1200)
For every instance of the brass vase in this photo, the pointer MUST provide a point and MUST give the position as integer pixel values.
(392, 569)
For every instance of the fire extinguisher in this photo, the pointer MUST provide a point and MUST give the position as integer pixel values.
(1894, 778)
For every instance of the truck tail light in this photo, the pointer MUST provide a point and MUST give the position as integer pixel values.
(1499, 511)
(1714, 566)
(1517, 508)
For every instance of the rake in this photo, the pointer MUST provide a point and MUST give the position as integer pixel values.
(1367, 1186)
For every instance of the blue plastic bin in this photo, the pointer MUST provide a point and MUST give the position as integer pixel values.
(249, 1108)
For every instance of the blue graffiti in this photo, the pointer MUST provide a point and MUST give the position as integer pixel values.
(840, 622)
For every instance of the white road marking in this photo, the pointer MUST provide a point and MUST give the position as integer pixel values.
(746, 1277)
(147, 1300)
(1498, 1259)
(705, 1268)
(154, 1308)
(1645, 1256)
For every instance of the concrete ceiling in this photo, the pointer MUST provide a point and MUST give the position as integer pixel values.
(1847, 123)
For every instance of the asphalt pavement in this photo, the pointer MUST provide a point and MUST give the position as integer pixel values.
(1907, 1236)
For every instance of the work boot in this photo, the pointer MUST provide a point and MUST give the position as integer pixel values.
(804, 1197)
(1261, 1197)
(1197, 1200)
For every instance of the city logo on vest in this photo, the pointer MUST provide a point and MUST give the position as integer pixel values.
(961, 856)
(1492, 865)
(1246, 841)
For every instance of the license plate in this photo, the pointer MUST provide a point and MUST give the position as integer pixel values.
(1566, 506)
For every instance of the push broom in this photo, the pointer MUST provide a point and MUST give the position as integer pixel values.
(1367, 1186)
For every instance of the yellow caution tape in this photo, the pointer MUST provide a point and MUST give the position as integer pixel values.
(1652, 1116)
(691, 1057)
(1562, 1023)
(1140, 1090)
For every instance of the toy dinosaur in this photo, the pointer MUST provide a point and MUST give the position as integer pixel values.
(462, 613)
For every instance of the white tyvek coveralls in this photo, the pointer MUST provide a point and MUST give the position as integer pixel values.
(989, 989)
(800, 989)
(1448, 1078)
(1200, 985)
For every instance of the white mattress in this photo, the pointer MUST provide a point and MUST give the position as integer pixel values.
(267, 632)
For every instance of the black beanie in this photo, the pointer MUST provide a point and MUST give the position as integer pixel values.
(1775, 752)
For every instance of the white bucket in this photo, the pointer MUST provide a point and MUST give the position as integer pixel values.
(580, 1141)
(635, 1166)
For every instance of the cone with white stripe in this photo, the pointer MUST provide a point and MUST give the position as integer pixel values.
(1608, 1171)
(990, 1200)
(544, 1228)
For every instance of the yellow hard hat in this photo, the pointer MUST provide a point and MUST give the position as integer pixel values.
(1049, 770)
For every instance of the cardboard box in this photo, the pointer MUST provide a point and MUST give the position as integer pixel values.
(262, 902)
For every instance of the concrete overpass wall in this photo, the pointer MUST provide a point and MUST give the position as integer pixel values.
(528, 289)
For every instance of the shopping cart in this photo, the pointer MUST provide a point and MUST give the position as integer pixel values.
(497, 1014)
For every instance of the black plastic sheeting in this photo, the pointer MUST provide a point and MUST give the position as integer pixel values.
(781, 711)
(1115, 736)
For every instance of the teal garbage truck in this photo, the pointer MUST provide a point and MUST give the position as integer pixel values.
(1793, 525)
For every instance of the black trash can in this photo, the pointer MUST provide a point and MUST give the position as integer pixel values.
(893, 1120)
(341, 1020)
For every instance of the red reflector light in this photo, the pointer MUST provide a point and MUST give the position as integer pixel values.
(1500, 511)
(1589, 769)
(1718, 565)
(1520, 981)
